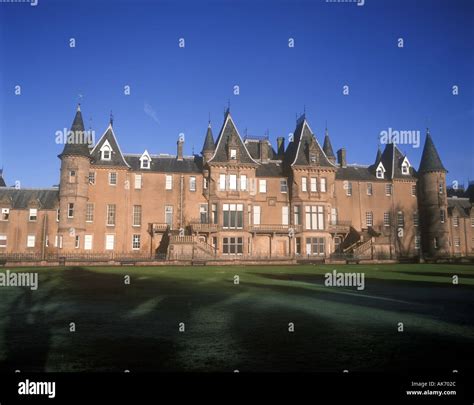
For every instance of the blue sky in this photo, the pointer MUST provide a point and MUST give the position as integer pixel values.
(230, 43)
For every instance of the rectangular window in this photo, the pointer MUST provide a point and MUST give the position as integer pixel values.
(284, 215)
(3, 241)
(323, 184)
(233, 182)
(369, 218)
(348, 186)
(87, 242)
(137, 215)
(138, 181)
(369, 189)
(77, 242)
(233, 216)
(472, 222)
(30, 241)
(442, 216)
(435, 242)
(110, 214)
(400, 219)
(417, 242)
(262, 186)
(457, 242)
(5, 214)
(416, 219)
(243, 182)
(297, 214)
(58, 241)
(169, 215)
(233, 154)
(298, 246)
(203, 214)
(33, 214)
(70, 210)
(204, 183)
(314, 184)
(232, 246)
(113, 178)
(256, 215)
(334, 216)
(304, 184)
(192, 183)
(168, 182)
(90, 212)
(136, 239)
(91, 178)
(72, 176)
(388, 189)
(109, 242)
(215, 216)
(455, 221)
(222, 182)
(386, 219)
(57, 215)
(314, 218)
(440, 188)
(413, 190)
(283, 186)
(315, 246)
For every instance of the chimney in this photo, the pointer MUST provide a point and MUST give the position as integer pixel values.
(280, 146)
(264, 150)
(341, 157)
(180, 144)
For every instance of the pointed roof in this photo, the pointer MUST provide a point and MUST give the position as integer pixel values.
(77, 141)
(209, 141)
(2, 181)
(430, 160)
(304, 140)
(327, 147)
(392, 160)
(230, 135)
(378, 158)
(117, 158)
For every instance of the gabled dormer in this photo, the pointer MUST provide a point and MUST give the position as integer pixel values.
(107, 151)
(405, 166)
(145, 160)
(380, 171)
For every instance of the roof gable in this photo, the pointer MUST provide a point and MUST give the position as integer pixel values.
(108, 139)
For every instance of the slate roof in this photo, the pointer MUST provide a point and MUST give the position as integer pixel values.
(392, 160)
(297, 152)
(2, 181)
(356, 173)
(270, 169)
(76, 144)
(254, 146)
(167, 164)
(21, 198)
(327, 147)
(229, 133)
(117, 159)
(209, 141)
(430, 160)
(463, 206)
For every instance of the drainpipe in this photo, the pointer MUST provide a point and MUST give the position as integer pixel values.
(181, 185)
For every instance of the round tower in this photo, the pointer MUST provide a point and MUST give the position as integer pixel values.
(74, 186)
(432, 202)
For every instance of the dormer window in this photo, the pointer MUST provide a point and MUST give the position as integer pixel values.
(313, 158)
(233, 154)
(145, 160)
(106, 151)
(405, 166)
(105, 154)
(380, 171)
(145, 164)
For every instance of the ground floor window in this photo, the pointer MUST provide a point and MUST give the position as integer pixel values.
(298, 246)
(232, 246)
(337, 243)
(136, 239)
(315, 246)
(3, 241)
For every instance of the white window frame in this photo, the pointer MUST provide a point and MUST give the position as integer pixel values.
(70, 210)
(192, 183)
(257, 214)
(243, 182)
(90, 212)
(33, 217)
(137, 213)
(136, 241)
(88, 240)
(232, 182)
(222, 181)
(138, 181)
(168, 182)
(3, 237)
(369, 218)
(109, 241)
(285, 215)
(323, 184)
(283, 186)
(314, 184)
(115, 176)
(388, 189)
(30, 241)
(5, 213)
(304, 183)
(233, 154)
(262, 186)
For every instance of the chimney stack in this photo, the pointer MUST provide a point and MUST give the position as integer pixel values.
(341, 157)
(281, 146)
(264, 150)
(180, 144)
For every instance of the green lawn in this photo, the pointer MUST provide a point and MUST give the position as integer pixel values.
(239, 326)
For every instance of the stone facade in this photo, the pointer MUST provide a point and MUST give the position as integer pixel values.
(239, 198)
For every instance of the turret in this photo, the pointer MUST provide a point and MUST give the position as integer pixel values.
(209, 147)
(432, 201)
(327, 148)
(73, 189)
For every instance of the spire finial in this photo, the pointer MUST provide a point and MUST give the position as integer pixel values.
(78, 107)
(111, 118)
(209, 122)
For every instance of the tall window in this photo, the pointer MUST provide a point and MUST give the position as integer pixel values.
(87, 242)
(70, 210)
(168, 182)
(262, 186)
(348, 186)
(297, 214)
(169, 215)
(109, 242)
(369, 218)
(222, 181)
(72, 176)
(314, 216)
(417, 242)
(137, 215)
(231, 246)
(416, 219)
(203, 214)
(455, 221)
(214, 214)
(284, 215)
(442, 216)
(369, 189)
(256, 215)
(3, 241)
(113, 178)
(283, 186)
(388, 189)
(400, 219)
(233, 216)
(314, 184)
(136, 241)
(243, 182)
(204, 183)
(92, 178)
(77, 242)
(413, 190)
(233, 182)
(304, 184)
(105, 150)
(5, 214)
(110, 214)
(334, 216)
(386, 219)
(30, 241)
(192, 183)
(138, 181)
(90, 212)
(233, 154)
(457, 242)
(323, 184)
(33, 214)
(440, 188)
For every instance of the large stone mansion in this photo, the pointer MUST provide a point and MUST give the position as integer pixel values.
(240, 198)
